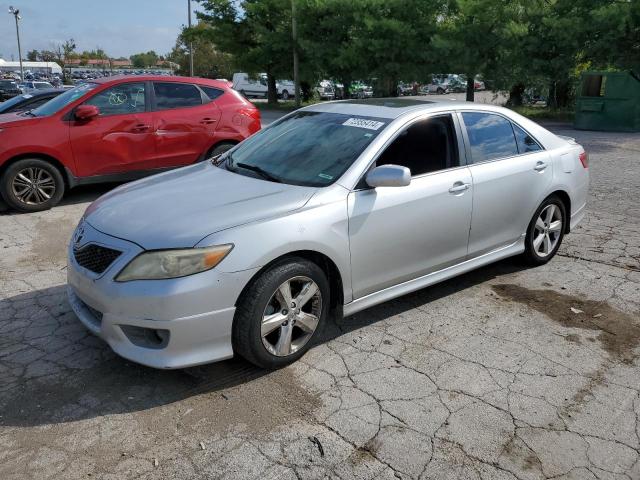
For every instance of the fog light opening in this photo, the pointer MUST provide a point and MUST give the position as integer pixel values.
(146, 337)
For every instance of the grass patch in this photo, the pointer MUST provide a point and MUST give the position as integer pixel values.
(545, 113)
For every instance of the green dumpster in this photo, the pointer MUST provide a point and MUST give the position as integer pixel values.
(608, 101)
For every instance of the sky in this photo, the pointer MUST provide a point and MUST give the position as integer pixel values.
(119, 27)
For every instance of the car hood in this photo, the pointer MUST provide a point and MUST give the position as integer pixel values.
(179, 208)
(16, 120)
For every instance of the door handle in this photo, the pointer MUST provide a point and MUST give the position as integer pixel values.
(141, 127)
(459, 187)
(540, 166)
(207, 120)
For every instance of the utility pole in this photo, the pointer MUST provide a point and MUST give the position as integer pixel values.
(190, 43)
(16, 14)
(294, 36)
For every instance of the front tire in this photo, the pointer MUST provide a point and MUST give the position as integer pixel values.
(219, 149)
(32, 185)
(281, 313)
(545, 232)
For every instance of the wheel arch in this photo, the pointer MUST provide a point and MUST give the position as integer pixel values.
(566, 200)
(40, 156)
(327, 265)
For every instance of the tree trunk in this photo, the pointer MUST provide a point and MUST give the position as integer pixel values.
(470, 86)
(515, 95)
(272, 91)
(345, 88)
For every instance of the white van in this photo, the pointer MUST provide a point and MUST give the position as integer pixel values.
(257, 87)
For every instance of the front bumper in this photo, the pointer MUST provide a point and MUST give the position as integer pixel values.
(185, 321)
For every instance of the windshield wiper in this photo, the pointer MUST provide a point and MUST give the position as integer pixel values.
(260, 171)
(30, 113)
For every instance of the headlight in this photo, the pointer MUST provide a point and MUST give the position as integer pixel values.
(162, 264)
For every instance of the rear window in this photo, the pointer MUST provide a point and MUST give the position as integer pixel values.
(211, 92)
(170, 95)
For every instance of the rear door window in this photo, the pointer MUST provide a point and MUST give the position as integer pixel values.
(526, 143)
(170, 95)
(490, 136)
(211, 92)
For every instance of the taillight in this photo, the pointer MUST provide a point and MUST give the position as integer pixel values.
(250, 112)
(584, 159)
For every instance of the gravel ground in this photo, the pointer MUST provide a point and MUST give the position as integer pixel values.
(488, 376)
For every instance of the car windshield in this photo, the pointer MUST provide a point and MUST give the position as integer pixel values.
(306, 148)
(55, 104)
(8, 84)
(6, 105)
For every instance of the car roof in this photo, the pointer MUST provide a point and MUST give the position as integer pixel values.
(162, 78)
(392, 108)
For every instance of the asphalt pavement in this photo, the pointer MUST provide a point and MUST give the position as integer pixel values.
(502, 373)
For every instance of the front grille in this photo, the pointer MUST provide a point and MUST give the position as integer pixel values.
(95, 258)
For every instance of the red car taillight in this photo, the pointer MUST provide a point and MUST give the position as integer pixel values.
(584, 159)
(250, 112)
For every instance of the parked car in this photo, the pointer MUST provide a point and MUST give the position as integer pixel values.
(335, 207)
(9, 89)
(325, 90)
(257, 87)
(29, 101)
(405, 89)
(117, 129)
(361, 90)
(36, 85)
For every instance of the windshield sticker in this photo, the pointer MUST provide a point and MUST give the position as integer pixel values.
(363, 123)
(325, 176)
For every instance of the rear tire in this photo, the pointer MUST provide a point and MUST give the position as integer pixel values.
(270, 329)
(545, 232)
(285, 95)
(32, 185)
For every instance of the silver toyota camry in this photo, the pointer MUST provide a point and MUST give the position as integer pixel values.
(333, 208)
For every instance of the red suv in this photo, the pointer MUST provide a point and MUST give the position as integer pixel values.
(117, 129)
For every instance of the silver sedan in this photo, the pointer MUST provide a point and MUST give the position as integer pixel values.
(335, 207)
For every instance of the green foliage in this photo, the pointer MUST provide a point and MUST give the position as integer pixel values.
(144, 60)
(208, 62)
(256, 32)
(513, 44)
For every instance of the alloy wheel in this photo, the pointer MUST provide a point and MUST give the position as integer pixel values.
(33, 186)
(291, 316)
(547, 230)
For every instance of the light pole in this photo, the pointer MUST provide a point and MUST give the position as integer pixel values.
(294, 37)
(16, 14)
(190, 42)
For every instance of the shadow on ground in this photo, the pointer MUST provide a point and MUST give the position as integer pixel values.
(99, 383)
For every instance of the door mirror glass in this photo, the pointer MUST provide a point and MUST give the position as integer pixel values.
(389, 176)
(87, 112)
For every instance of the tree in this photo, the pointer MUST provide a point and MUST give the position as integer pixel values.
(63, 52)
(472, 33)
(257, 33)
(207, 61)
(32, 55)
(143, 60)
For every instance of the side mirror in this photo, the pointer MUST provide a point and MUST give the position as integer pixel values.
(389, 176)
(87, 112)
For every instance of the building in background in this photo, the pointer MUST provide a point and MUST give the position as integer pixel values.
(49, 68)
